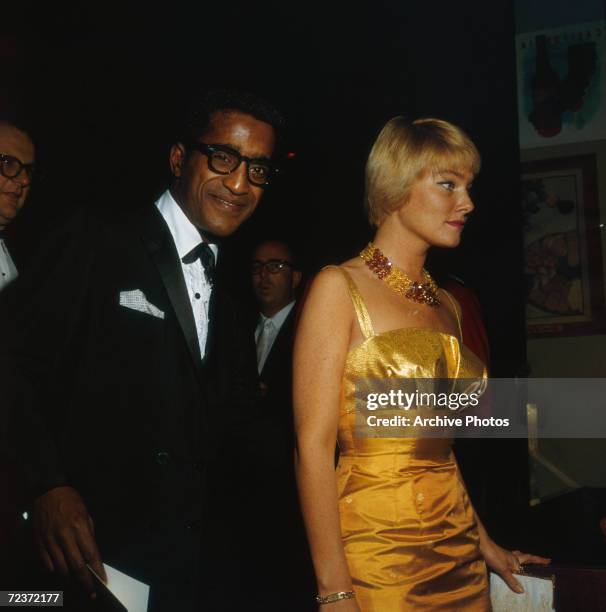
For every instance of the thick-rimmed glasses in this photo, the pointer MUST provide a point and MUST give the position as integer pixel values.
(273, 266)
(11, 167)
(224, 160)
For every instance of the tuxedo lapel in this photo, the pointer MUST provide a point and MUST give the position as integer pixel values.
(158, 242)
(212, 320)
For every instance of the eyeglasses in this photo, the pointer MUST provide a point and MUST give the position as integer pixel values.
(11, 167)
(273, 266)
(224, 160)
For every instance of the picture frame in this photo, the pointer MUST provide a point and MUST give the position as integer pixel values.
(561, 79)
(562, 247)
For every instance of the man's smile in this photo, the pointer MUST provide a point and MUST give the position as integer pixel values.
(228, 203)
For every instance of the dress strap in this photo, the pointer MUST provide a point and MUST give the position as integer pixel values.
(360, 307)
(456, 309)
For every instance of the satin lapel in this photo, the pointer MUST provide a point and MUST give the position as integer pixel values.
(161, 248)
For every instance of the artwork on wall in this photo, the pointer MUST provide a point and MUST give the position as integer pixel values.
(562, 85)
(562, 247)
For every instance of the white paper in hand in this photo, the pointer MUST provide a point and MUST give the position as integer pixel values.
(131, 593)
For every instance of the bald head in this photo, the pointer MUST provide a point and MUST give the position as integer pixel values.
(274, 290)
(16, 159)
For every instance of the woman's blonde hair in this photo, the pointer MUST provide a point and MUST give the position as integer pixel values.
(404, 151)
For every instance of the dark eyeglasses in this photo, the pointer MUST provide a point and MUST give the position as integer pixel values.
(11, 167)
(224, 160)
(273, 266)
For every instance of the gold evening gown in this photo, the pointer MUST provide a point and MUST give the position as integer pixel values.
(408, 527)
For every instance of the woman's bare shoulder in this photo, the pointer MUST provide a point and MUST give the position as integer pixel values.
(335, 277)
(354, 267)
(354, 264)
(329, 288)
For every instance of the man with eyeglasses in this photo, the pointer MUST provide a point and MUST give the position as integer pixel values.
(129, 371)
(16, 172)
(276, 276)
(275, 279)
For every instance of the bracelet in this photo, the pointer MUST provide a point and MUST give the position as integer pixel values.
(333, 597)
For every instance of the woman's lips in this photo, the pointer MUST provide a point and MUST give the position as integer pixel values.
(456, 224)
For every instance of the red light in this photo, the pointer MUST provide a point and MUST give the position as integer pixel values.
(291, 155)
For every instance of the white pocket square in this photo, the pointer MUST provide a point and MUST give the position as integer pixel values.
(137, 301)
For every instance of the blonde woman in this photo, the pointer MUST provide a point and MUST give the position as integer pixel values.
(393, 528)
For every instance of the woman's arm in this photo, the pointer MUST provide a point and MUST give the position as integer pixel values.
(321, 347)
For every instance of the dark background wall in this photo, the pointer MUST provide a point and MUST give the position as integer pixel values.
(101, 86)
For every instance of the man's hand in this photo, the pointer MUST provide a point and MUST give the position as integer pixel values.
(64, 536)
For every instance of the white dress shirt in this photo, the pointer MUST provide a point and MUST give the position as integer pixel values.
(8, 271)
(186, 238)
(272, 326)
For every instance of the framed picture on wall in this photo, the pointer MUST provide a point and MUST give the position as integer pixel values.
(562, 247)
(561, 85)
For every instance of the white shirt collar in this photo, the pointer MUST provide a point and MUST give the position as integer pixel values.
(280, 316)
(184, 232)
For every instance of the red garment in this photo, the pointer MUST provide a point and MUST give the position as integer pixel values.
(474, 332)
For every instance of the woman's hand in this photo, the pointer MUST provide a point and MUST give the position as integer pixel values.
(506, 562)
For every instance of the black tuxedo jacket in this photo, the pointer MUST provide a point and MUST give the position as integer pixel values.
(281, 539)
(116, 402)
(277, 369)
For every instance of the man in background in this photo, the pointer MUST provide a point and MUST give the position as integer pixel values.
(275, 277)
(17, 155)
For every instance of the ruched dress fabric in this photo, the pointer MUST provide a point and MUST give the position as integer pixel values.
(408, 527)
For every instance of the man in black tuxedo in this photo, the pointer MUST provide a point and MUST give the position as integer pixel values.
(126, 365)
(275, 278)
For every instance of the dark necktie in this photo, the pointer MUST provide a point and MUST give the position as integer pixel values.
(204, 253)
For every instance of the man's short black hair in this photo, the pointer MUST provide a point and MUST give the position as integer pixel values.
(197, 119)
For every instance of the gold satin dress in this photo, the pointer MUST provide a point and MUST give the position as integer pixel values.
(408, 527)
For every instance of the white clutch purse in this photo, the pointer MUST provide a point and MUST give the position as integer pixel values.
(538, 594)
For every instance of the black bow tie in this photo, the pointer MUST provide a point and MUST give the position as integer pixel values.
(204, 253)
